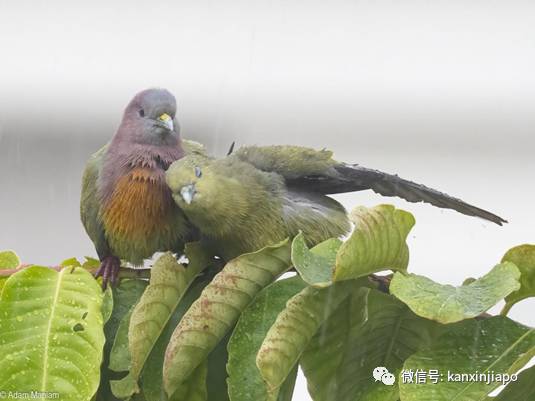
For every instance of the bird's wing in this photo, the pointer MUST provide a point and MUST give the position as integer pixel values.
(291, 162)
(193, 147)
(90, 205)
(312, 170)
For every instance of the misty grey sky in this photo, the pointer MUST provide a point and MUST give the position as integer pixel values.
(440, 92)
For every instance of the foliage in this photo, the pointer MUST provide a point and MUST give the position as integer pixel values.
(201, 330)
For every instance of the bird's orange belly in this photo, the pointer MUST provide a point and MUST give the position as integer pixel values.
(141, 218)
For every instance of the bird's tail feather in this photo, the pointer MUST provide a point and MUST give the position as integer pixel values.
(356, 178)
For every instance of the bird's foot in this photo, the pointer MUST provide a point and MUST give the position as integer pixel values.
(109, 271)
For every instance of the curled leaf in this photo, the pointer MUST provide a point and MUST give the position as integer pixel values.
(218, 308)
(377, 243)
(291, 332)
(449, 304)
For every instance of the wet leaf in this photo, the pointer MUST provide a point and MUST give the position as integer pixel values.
(218, 308)
(521, 390)
(292, 330)
(495, 345)
(168, 283)
(9, 260)
(377, 243)
(449, 304)
(125, 296)
(315, 265)
(244, 381)
(370, 329)
(40, 351)
(523, 257)
(151, 377)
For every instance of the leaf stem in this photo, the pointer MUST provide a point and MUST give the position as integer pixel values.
(507, 307)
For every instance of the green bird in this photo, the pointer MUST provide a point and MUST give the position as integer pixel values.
(126, 206)
(261, 195)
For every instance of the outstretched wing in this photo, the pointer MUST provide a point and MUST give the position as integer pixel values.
(316, 171)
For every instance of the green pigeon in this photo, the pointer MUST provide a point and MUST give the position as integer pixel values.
(261, 195)
(126, 207)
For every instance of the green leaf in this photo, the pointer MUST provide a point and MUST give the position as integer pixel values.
(194, 389)
(292, 330)
(523, 389)
(245, 382)
(40, 349)
(315, 265)
(107, 304)
(124, 297)
(168, 283)
(377, 243)
(495, 345)
(70, 263)
(523, 257)
(9, 260)
(369, 330)
(218, 308)
(120, 360)
(151, 377)
(90, 263)
(449, 304)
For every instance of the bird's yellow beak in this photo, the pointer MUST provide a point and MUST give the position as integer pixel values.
(167, 120)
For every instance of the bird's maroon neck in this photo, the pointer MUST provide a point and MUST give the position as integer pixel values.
(122, 158)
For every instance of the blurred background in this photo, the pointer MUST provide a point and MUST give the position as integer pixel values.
(442, 93)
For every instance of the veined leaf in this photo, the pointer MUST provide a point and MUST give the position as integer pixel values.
(168, 283)
(490, 346)
(9, 260)
(315, 265)
(377, 243)
(218, 308)
(292, 330)
(124, 297)
(194, 389)
(51, 332)
(244, 381)
(449, 304)
(151, 377)
(521, 390)
(369, 330)
(523, 257)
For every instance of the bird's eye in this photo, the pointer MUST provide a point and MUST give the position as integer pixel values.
(198, 172)
(141, 113)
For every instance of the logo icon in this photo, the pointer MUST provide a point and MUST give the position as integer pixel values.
(382, 374)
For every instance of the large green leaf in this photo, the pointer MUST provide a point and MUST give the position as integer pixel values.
(245, 382)
(168, 283)
(489, 346)
(449, 304)
(9, 260)
(523, 389)
(377, 243)
(369, 330)
(523, 257)
(151, 377)
(51, 333)
(291, 332)
(193, 389)
(218, 309)
(315, 265)
(124, 297)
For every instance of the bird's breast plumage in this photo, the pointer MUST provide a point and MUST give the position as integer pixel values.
(140, 216)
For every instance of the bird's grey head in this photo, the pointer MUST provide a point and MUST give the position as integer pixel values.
(149, 118)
